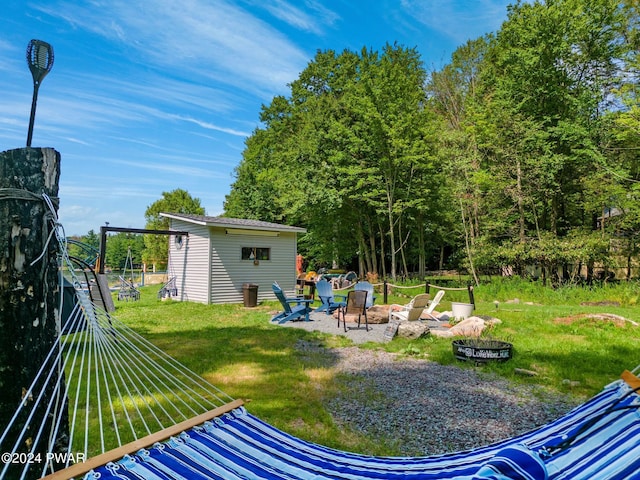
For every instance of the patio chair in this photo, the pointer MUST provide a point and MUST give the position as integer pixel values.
(356, 305)
(290, 313)
(428, 312)
(411, 311)
(328, 298)
(367, 287)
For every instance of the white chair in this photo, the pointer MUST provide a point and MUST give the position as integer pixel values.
(411, 311)
(428, 312)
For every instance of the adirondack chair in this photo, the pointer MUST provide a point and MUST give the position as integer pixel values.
(367, 287)
(428, 312)
(411, 311)
(356, 305)
(289, 313)
(327, 297)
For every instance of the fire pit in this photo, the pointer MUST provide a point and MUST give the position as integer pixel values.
(481, 350)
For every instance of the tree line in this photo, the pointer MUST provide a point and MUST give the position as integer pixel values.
(124, 249)
(522, 150)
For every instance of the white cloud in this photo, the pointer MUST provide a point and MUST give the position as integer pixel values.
(173, 166)
(328, 17)
(103, 191)
(76, 211)
(459, 20)
(211, 39)
(298, 18)
(159, 90)
(211, 126)
(77, 141)
(9, 54)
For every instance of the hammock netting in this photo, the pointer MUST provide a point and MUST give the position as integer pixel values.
(165, 422)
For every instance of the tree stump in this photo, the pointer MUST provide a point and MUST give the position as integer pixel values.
(29, 292)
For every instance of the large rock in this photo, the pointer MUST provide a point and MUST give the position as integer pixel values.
(375, 314)
(469, 327)
(378, 314)
(412, 330)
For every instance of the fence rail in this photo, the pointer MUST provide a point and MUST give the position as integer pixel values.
(386, 288)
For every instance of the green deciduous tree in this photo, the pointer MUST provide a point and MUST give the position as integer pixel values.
(175, 201)
(343, 156)
(525, 119)
(509, 153)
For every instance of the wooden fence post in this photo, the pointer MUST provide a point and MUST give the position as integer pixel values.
(29, 293)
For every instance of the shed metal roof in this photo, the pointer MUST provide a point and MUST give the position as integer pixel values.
(225, 222)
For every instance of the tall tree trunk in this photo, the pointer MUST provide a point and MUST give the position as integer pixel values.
(468, 245)
(392, 242)
(363, 252)
(474, 221)
(554, 215)
(372, 244)
(520, 201)
(364, 255)
(382, 249)
(29, 293)
(630, 250)
(403, 242)
(421, 246)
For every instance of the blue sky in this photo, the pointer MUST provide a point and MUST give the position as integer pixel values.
(147, 96)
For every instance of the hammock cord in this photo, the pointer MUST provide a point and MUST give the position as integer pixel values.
(50, 359)
(110, 384)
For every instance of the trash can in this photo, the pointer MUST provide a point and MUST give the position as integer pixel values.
(250, 294)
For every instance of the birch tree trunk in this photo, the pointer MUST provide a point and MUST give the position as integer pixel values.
(29, 289)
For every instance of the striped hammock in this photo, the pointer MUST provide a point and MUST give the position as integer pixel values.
(597, 440)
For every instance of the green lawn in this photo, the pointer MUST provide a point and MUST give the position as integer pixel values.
(238, 350)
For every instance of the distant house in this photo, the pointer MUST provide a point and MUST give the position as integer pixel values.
(609, 213)
(220, 255)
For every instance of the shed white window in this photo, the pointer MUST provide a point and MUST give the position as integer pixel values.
(256, 253)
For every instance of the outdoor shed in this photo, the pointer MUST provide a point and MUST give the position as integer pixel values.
(220, 255)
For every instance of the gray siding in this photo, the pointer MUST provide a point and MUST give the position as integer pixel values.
(209, 266)
(229, 272)
(190, 264)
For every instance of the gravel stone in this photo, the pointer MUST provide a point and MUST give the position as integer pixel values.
(424, 408)
(322, 322)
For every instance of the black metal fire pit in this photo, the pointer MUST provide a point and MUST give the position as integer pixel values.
(482, 350)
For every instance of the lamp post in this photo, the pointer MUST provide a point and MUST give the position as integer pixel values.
(40, 60)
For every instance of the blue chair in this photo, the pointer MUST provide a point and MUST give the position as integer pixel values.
(289, 313)
(367, 287)
(327, 297)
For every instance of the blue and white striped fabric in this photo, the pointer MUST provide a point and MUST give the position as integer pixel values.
(513, 463)
(598, 440)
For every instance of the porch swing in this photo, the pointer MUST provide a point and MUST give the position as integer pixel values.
(128, 290)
